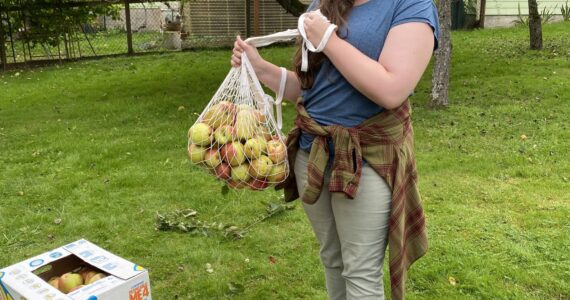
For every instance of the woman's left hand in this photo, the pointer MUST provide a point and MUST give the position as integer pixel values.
(315, 27)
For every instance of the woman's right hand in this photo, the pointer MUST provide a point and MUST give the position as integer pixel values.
(241, 46)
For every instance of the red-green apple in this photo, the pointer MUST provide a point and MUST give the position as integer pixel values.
(240, 173)
(219, 114)
(87, 273)
(233, 153)
(276, 151)
(200, 134)
(68, 281)
(54, 281)
(260, 168)
(223, 171)
(258, 184)
(212, 158)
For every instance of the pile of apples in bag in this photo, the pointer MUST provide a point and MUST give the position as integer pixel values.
(239, 143)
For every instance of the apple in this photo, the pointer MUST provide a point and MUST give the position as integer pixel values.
(246, 124)
(278, 173)
(258, 184)
(266, 134)
(200, 134)
(233, 153)
(236, 185)
(76, 288)
(196, 153)
(241, 107)
(276, 151)
(261, 167)
(219, 114)
(224, 134)
(260, 116)
(95, 277)
(254, 147)
(240, 173)
(212, 158)
(87, 273)
(54, 281)
(223, 171)
(68, 281)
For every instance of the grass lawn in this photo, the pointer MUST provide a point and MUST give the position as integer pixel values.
(100, 145)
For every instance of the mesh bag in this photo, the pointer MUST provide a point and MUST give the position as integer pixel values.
(236, 138)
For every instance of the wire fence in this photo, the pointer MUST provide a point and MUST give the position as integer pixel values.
(37, 31)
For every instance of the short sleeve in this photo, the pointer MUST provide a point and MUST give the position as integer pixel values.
(313, 6)
(424, 11)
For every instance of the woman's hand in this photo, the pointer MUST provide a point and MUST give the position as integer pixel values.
(241, 46)
(315, 27)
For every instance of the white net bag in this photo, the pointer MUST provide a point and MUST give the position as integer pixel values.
(236, 138)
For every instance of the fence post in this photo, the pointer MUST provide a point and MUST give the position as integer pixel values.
(2, 43)
(256, 17)
(247, 18)
(128, 24)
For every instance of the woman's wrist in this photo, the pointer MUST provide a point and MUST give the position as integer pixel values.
(331, 44)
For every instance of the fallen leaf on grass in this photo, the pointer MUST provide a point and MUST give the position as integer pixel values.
(452, 281)
(209, 268)
(272, 259)
(235, 288)
(57, 221)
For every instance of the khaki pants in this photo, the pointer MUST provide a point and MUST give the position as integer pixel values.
(352, 233)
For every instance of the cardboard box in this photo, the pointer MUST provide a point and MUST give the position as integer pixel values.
(28, 279)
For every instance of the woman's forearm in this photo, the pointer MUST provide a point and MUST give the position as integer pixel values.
(270, 75)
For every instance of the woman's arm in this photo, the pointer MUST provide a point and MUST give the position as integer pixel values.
(268, 73)
(390, 80)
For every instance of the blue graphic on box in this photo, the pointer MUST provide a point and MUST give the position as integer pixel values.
(55, 255)
(110, 266)
(4, 294)
(37, 262)
(99, 259)
(86, 253)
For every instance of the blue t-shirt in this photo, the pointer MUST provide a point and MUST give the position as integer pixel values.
(332, 100)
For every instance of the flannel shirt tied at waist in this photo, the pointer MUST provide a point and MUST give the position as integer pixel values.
(385, 141)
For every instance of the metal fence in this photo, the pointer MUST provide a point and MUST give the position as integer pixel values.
(34, 31)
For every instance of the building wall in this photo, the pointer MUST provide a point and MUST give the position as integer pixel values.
(511, 7)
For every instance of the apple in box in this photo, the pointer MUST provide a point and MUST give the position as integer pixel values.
(69, 281)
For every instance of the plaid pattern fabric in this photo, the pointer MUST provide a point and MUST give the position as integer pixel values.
(386, 142)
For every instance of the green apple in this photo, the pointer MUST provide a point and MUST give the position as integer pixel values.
(196, 153)
(240, 173)
(200, 134)
(278, 173)
(254, 147)
(220, 114)
(261, 167)
(68, 281)
(246, 124)
(233, 153)
(224, 134)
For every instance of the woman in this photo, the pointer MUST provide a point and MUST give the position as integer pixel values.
(352, 147)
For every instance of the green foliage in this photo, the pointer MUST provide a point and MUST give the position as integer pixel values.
(565, 11)
(47, 21)
(94, 149)
(470, 7)
(546, 16)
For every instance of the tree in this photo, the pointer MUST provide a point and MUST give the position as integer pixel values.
(295, 7)
(442, 65)
(534, 25)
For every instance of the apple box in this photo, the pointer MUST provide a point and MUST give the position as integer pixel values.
(29, 279)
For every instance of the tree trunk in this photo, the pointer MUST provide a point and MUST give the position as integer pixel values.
(535, 25)
(442, 65)
(482, 10)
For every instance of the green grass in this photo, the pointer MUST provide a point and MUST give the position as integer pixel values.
(101, 146)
